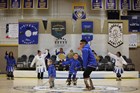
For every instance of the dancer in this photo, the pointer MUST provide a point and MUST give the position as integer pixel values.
(40, 63)
(89, 63)
(51, 73)
(74, 66)
(11, 63)
(118, 69)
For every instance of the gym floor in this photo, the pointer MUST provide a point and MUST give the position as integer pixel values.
(33, 85)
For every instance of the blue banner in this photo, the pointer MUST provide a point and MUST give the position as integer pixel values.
(28, 33)
(15, 4)
(87, 30)
(3, 4)
(134, 23)
(111, 4)
(125, 4)
(42, 4)
(96, 4)
(28, 4)
(136, 4)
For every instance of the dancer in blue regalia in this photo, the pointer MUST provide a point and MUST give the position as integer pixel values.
(11, 63)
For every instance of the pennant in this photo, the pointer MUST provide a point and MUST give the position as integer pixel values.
(111, 4)
(79, 11)
(3, 4)
(96, 4)
(28, 4)
(58, 29)
(28, 33)
(45, 24)
(115, 34)
(125, 4)
(15, 4)
(42, 4)
(136, 4)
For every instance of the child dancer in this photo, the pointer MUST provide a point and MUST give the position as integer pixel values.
(11, 62)
(39, 60)
(118, 69)
(51, 73)
(74, 66)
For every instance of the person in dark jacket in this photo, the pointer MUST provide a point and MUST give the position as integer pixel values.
(74, 66)
(11, 63)
(51, 73)
(89, 63)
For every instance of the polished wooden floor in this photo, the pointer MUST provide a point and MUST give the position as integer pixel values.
(32, 85)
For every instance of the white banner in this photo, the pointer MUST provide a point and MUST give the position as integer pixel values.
(133, 41)
(13, 30)
(115, 30)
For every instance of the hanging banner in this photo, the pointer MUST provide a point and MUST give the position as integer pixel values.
(136, 4)
(15, 4)
(42, 4)
(134, 23)
(125, 4)
(115, 34)
(111, 5)
(28, 33)
(3, 4)
(96, 4)
(87, 30)
(133, 41)
(28, 4)
(12, 30)
(58, 29)
(45, 22)
(79, 11)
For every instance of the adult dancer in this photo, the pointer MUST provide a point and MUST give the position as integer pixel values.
(89, 63)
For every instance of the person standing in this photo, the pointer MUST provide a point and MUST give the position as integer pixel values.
(51, 73)
(89, 63)
(11, 63)
(39, 60)
(119, 61)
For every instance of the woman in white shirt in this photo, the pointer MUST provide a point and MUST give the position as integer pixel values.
(119, 61)
(39, 60)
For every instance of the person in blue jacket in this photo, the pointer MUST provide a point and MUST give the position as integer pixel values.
(51, 73)
(11, 63)
(74, 66)
(89, 63)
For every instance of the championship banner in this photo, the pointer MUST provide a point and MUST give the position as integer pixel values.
(58, 29)
(42, 4)
(96, 4)
(125, 4)
(79, 11)
(3, 4)
(133, 41)
(111, 4)
(136, 4)
(12, 30)
(28, 4)
(134, 23)
(28, 33)
(15, 4)
(115, 34)
(87, 30)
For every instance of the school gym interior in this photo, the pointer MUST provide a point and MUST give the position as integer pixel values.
(27, 26)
